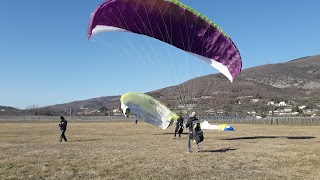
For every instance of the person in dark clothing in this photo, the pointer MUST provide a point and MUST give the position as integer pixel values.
(179, 127)
(195, 132)
(63, 127)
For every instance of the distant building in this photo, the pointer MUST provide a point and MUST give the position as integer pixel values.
(282, 103)
(117, 112)
(254, 100)
(210, 112)
(310, 111)
(302, 107)
(287, 108)
(188, 106)
(241, 97)
(251, 113)
(270, 103)
(283, 111)
(220, 111)
(206, 97)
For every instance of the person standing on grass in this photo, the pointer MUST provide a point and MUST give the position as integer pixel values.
(179, 127)
(63, 127)
(195, 132)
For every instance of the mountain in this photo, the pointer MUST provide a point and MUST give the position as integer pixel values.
(6, 110)
(303, 73)
(93, 103)
(105, 103)
(297, 82)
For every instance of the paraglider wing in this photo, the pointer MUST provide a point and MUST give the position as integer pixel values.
(221, 127)
(207, 125)
(147, 108)
(172, 22)
(225, 127)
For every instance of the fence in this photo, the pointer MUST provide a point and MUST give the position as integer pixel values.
(280, 120)
(69, 118)
(300, 121)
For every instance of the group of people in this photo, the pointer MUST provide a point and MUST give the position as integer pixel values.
(195, 133)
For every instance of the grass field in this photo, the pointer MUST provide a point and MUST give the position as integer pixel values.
(122, 150)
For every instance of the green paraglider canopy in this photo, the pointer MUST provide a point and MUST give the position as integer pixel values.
(147, 108)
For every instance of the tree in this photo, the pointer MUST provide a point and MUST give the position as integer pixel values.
(104, 110)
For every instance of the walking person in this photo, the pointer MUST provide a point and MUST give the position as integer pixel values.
(179, 127)
(195, 132)
(63, 127)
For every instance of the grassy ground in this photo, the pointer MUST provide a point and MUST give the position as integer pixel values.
(122, 150)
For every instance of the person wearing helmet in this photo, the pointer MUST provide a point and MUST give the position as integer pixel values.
(195, 132)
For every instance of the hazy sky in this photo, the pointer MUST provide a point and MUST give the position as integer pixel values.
(46, 58)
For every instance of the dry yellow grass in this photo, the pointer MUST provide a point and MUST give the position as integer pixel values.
(122, 150)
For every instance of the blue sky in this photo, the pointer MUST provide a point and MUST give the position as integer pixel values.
(46, 58)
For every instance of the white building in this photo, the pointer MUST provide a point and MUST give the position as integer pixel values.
(270, 103)
(302, 107)
(282, 103)
(254, 100)
(188, 106)
(310, 111)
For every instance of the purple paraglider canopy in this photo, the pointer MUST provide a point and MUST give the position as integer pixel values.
(172, 22)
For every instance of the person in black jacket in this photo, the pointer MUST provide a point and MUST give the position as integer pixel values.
(179, 127)
(63, 127)
(195, 132)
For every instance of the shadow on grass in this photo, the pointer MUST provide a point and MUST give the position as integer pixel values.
(85, 140)
(167, 134)
(219, 150)
(269, 137)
